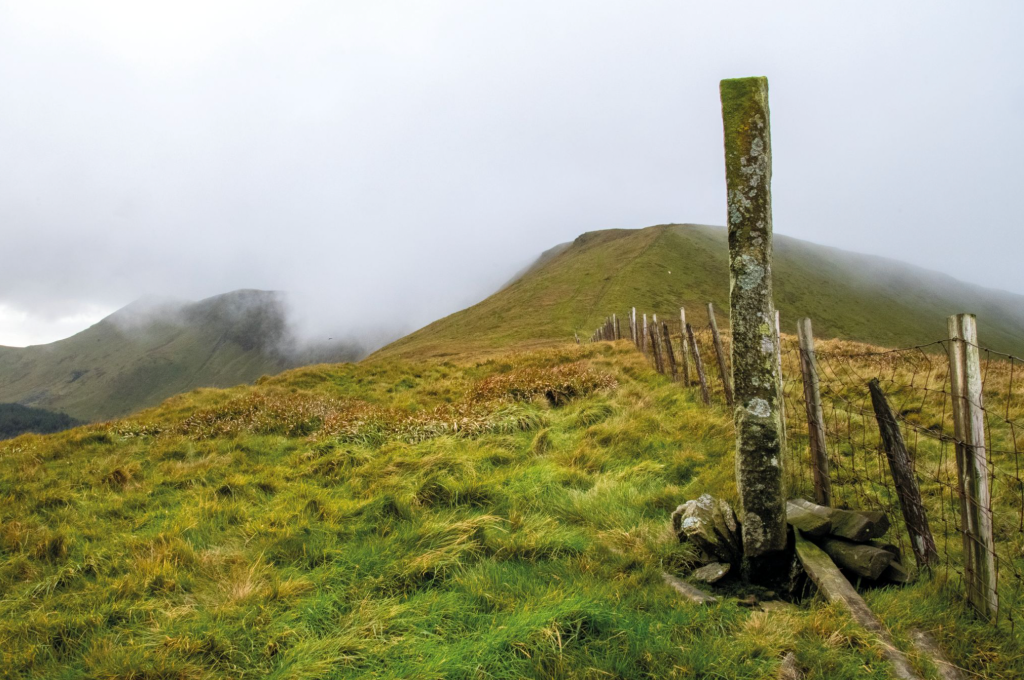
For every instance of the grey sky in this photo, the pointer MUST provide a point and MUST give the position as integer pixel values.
(394, 161)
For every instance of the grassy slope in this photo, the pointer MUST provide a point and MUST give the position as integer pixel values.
(658, 269)
(16, 419)
(112, 369)
(398, 520)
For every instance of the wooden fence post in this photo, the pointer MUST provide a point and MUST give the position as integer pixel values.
(643, 337)
(782, 391)
(618, 328)
(902, 468)
(577, 336)
(699, 365)
(659, 361)
(759, 461)
(632, 327)
(684, 344)
(669, 354)
(815, 415)
(975, 499)
(720, 351)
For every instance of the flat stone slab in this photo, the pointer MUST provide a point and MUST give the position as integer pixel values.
(853, 525)
(692, 593)
(711, 573)
(834, 586)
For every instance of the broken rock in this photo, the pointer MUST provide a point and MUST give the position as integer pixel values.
(711, 526)
(711, 573)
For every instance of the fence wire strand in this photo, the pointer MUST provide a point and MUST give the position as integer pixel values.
(916, 382)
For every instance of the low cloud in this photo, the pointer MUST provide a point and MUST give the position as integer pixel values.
(392, 162)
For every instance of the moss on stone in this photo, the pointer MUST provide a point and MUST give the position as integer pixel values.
(755, 381)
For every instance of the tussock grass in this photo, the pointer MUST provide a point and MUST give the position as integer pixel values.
(398, 520)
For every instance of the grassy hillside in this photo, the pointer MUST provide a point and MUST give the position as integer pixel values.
(499, 519)
(145, 353)
(659, 269)
(16, 419)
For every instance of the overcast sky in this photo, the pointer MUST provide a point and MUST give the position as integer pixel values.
(395, 161)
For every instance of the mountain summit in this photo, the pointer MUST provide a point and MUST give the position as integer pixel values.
(851, 296)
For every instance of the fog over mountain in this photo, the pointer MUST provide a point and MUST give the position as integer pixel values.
(391, 162)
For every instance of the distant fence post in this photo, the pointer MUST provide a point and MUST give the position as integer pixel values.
(684, 344)
(659, 361)
(748, 173)
(723, 368)
(782, 391)
(902, 468)
(975, 499)
(577, 336)
(815, 415)
(699, 365)
(669, 354)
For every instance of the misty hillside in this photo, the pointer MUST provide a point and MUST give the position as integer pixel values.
(151, 350)
(658, 269)
(16, 419)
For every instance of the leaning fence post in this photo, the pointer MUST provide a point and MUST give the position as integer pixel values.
(902, 468)
(699, 365)
(748, 173)
(669, 354)
(969, 430)
(720, 351)
(815, 415)
(684, 347)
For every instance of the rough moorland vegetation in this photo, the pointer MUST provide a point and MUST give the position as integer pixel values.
(500, 519)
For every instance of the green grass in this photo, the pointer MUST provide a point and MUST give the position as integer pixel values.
(123, 364)
(500, 519)
(659, 269)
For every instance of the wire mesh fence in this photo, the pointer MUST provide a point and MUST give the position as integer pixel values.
(916, 382)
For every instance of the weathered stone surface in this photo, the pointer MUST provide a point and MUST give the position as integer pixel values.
(711, 526)
(888, 547)
(814, 525)
(688, 591)
(896, 573)
(836, 588)
(854, 525)
(711, 573)
(863, 560)
(759, 433)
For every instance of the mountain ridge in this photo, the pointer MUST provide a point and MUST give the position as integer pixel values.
(847, 295)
